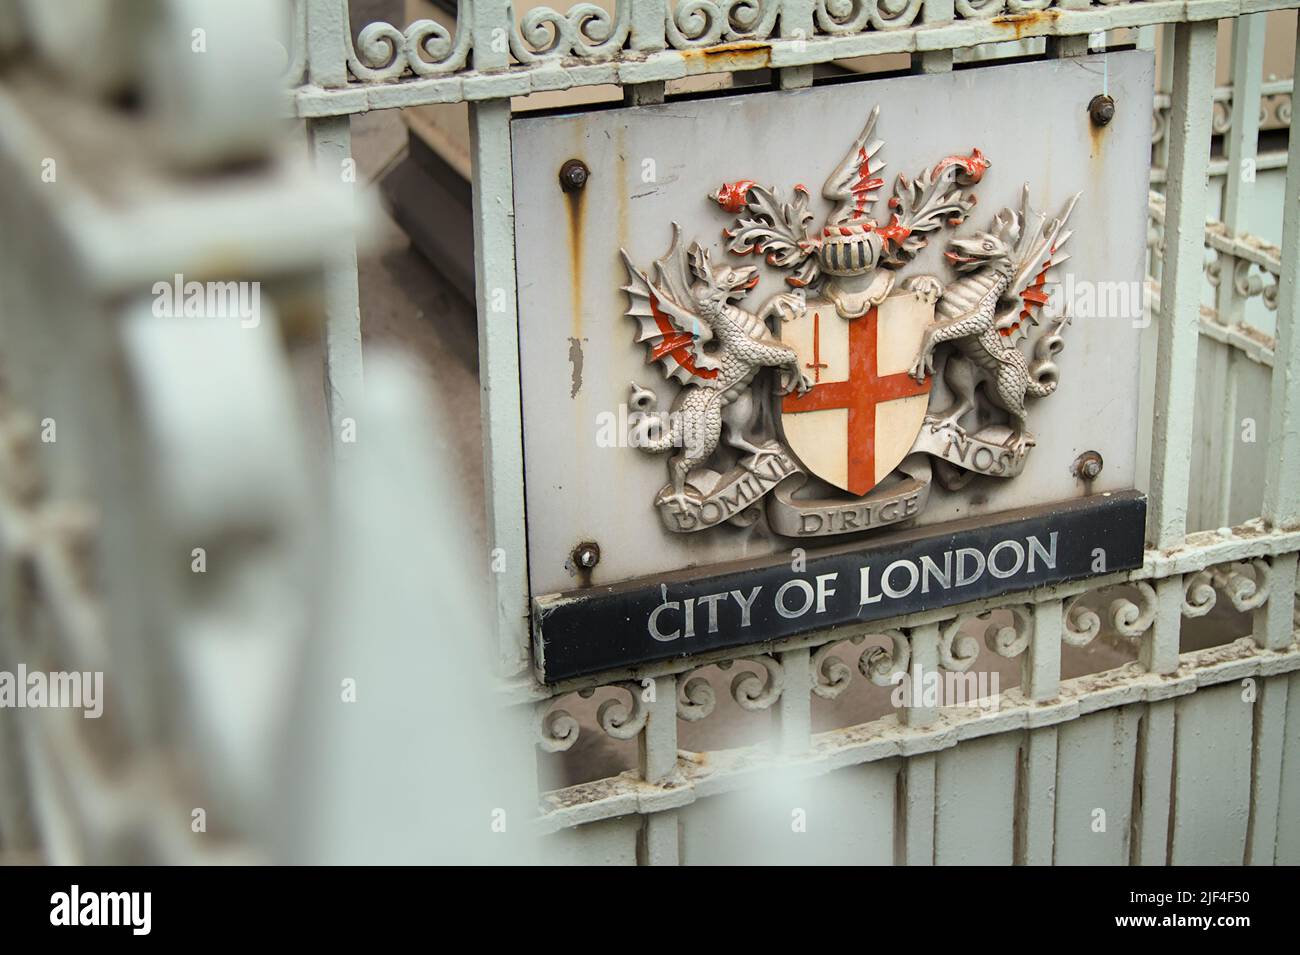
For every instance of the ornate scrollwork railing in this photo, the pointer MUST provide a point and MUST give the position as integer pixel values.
(589, 34)
(382, 52)
(1253, 265)
(882, 665)
(698, 23)
(1274, 110)
(558, 729)
(584, 30)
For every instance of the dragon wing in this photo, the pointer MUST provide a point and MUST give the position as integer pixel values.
(1035, 254)
(854, 183)
(672, 333)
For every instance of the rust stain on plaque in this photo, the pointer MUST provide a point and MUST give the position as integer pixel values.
(576, 205)
(1098, 136)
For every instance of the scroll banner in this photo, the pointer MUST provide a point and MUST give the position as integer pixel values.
(734, 492)
(825, 517)
(970, 452)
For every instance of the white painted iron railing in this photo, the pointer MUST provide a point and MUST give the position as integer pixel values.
(1210, 732)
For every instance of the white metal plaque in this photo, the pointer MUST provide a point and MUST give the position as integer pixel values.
(806, 319)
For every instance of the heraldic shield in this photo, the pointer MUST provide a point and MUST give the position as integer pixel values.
(863, 412)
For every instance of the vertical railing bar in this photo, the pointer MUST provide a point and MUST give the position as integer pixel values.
(1243, 136)
(797, 25)
(935, 61)
(1159, 646)
(1059, 46)
(1165, 84)
(924, 661)
(657, 744)
(1238, 187)
(1041, 668)
(496, 302)
(1040, 681)
(794, 708)
(1274, 622)
(918, 782)
(647, 35)
(1268, 753)
(1153, 785)
(657, 763)
(330, 141)
(327, 35)
(1180, 289)
(1281, 485)
(1036, 821)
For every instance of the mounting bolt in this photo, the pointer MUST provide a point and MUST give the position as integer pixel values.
(574, 175)
(586, 555)
(1087, 465)
(1102, 109)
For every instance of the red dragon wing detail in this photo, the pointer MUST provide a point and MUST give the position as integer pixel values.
(1037, 244)
(673, 334)
(854, 184)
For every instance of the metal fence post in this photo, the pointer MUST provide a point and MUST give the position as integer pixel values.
(647, 36)
(797, 25)
(330, 141)
(1180, 291)
(498, 340)
(657, 757)
(935, 61)
(1242, 145)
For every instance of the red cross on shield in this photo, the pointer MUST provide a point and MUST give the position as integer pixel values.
(863, 413)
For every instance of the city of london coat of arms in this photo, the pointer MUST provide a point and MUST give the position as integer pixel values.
(837, 405)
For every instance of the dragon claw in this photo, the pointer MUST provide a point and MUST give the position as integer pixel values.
(1020, 443)
(752, 462)
(682, 499)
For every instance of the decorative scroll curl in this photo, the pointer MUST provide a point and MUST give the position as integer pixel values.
(1082, 623)
(1199, 596)
(831, 675)
(1010, 641)
(584, 30)
(1129, 618)
(695, 23)
(957, 650)
(557, 729)
(1245, 592)
(623, 720)
(843, 17)
(426, 48)
(755, 691)
(695, 696)
(883, 666)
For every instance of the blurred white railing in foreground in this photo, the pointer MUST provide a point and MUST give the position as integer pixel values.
(229, 681)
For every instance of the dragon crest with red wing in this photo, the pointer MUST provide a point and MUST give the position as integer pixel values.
(855, 444)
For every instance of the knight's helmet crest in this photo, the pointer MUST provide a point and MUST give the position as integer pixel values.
(853, 240)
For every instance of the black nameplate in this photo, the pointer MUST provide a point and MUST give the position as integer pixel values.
(605, 628)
